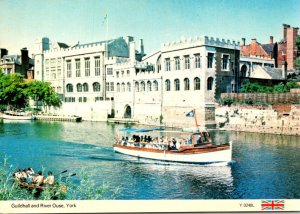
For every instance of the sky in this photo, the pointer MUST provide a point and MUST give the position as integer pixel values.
(154, 21)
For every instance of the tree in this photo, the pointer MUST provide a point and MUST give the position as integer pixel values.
(297, 63)
(298, 43)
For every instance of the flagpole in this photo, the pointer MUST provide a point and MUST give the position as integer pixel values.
(195, 118)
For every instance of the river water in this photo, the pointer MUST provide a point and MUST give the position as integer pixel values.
(264, 166)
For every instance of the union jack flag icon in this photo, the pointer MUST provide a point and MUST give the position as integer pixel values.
(272, 205)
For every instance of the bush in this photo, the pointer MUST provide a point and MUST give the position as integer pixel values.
(249, 101)
(226, 101)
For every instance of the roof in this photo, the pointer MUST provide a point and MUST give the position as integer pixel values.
(12, 58)
(268, 48)
(62, 45)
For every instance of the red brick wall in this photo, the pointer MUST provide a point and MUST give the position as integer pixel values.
(291, 46)
(254, 49)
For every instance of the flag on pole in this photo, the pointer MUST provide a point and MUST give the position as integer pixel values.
(190, 114)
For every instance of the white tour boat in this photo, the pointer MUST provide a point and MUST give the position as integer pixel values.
(185, 147)
(15, 115)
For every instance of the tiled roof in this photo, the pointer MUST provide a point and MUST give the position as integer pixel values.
(268, 48)
(12, 58)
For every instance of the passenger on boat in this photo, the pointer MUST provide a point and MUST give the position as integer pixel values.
(50, 179)
(38, 179)
(18, 174)
(199, 141)
(30, 172)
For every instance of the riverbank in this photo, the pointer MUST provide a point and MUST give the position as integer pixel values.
(274, 119)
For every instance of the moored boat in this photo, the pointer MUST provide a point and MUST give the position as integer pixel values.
(174, 146)
(15, 115)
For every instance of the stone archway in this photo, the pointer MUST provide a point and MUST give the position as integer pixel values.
(127, 113)
(244, 71)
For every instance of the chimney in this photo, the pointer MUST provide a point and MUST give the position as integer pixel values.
(284, 68)
(24, 56)
(243, 41)
(3, 52)
(129, 39)
(141, 47)
(253, 41)
(271, 39)
(285, 27)
(132, 51)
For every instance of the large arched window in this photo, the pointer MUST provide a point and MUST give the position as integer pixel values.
(186, 84)
(168, 85)
(149, 86)
(118, 87)
(69, 88)
(197, 83)
(142, 86)
(210, 82)
(137, 86)
(177, 84)
(123, 87)
(96, 86)
(85, 87)
(79, 87)
(128, 86)
(155, 85)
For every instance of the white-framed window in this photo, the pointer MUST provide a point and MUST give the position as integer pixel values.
(177, 63)
(97, 66)
(210, 60)
(149, 86)
(79, 87)
(69, 87)
(142, 86)
(197, 61)
(137, 86)
(197, 83)
(112, 88)
(69, 69)
(123, 87)
(155, 85)
(186, 84)
(225, 62)
(177, 84)
(107, 86)
(96, 86)
(109, 71)
(187, 62)
(168, 64)
(118, 87)
(117, 74)
(128, 87)
(128, 73)
(168, 85)
(87, 66)
(85, 87)
(77, 66)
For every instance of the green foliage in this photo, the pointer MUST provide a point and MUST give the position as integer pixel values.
(15, 92)
(298, 42)
(249, 101)
(249, 87)
(227, 101)
(161, 118)
(297, 63)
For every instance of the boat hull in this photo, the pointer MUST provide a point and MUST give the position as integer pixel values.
(13, 117)
(196, 155)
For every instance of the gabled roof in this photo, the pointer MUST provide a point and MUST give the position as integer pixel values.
(62, 45)
(12, 58)
(268, 48)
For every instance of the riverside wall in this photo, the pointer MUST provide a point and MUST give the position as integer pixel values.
(275, 119)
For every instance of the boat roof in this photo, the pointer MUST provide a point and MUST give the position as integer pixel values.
(184, 131)
(140, 130)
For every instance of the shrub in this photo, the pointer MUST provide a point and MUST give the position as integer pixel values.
(227, 101)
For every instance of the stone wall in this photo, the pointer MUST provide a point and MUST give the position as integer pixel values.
(276, 119)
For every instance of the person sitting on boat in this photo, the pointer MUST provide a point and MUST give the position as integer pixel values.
(199, 141)
(38, 179)
(23, 175)
(50, 179)
(30, 172)
(18, 174)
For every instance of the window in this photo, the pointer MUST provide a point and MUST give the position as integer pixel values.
(112, 86)
(197, 83)
(187, 62)
(128, 86)
(149, 86)
(77, 63)
(96, 86)
(97, 66)
(128, 73)
(84, 99)
(69, 69)
(123, 87)
(87, 66)
(210, 59)
(197, 61)
(177, 84)
(117, 74)
(168, 85)
(210, 82)
(79, 87)
(109, 71)
(122, 72)
(168, 64)
(58, 89)
(225, 62)
(186, 84)
(69, 88)
(85, 87)
(177, 63)
(80, 99)
(142, 86)
(107, 86)
(137, 86)
(118, 87)
(155, 85)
